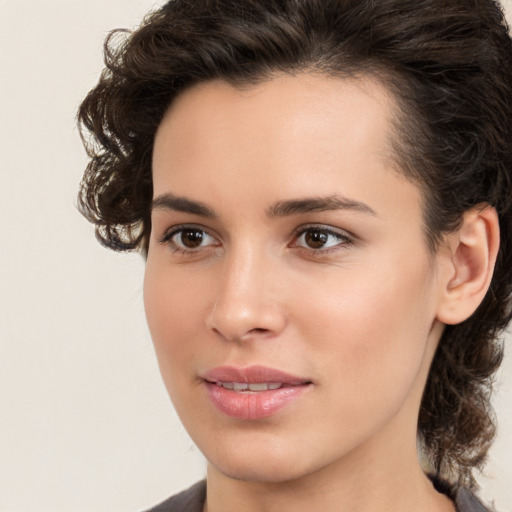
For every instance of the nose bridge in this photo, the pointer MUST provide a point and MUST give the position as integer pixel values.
(246, 304)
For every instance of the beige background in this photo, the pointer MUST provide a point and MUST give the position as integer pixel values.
(85, 422)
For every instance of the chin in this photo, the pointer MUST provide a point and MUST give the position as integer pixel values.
(264, 462)
(269, 472)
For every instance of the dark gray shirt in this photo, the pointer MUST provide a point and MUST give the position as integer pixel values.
(192, 500)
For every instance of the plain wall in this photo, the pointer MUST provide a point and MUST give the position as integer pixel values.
(85, 422)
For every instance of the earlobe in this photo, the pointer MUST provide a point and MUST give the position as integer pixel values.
(469, 258)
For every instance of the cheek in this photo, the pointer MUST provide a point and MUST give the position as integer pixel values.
(174, 305)
(372, 331)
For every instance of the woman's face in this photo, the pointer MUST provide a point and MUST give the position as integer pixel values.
(289, 291)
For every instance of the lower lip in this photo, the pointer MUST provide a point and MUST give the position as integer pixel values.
(253, 405)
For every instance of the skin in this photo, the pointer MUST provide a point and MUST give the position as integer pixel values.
(360, 318)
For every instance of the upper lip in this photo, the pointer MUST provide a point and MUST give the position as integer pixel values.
(252, 374)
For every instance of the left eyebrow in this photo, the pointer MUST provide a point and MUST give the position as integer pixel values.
(316, 205)
(182, 204)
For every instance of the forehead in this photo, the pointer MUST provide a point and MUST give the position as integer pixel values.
(304, 100)
(293, 136)
(277, 114)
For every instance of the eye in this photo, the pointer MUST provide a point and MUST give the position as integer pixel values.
(188, 239)
(321, 238)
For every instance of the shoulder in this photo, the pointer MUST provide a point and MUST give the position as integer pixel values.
(191, 500)
(467, 502)
(464, 500)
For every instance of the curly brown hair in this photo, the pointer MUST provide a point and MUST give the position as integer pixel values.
(449, 66)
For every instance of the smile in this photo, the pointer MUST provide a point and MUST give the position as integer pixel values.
(255, 387)
(254, 392)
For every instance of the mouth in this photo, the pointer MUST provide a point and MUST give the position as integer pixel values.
(252, 376)
(255, 387)
(254, 392)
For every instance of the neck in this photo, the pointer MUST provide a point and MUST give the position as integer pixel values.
(357, 484)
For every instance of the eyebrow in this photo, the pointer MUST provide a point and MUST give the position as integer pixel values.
(182, 204)
(279, 209)
(316, 205)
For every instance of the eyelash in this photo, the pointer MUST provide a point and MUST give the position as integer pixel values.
(344, 239)
(166, 239)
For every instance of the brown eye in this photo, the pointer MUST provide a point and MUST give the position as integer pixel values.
(320, 238)
(191, 238)
(316, 239)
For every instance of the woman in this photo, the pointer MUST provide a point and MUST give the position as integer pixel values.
(322, 192)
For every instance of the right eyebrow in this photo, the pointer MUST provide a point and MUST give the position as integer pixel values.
(317, 204)
(182, 204)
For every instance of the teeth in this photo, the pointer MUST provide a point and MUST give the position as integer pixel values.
(256, 386)
(260, 386)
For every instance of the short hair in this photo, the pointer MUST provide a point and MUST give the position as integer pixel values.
(448, 65)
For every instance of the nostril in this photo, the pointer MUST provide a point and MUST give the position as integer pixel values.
(258, 330)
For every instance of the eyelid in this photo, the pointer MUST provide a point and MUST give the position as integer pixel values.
(345, 237)
(170, 232)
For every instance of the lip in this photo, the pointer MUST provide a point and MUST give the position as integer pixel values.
(249, 405)
(252, 375)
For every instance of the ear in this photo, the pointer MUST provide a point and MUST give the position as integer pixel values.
(466, 264)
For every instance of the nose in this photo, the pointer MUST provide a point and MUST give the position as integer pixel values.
(247, 305)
